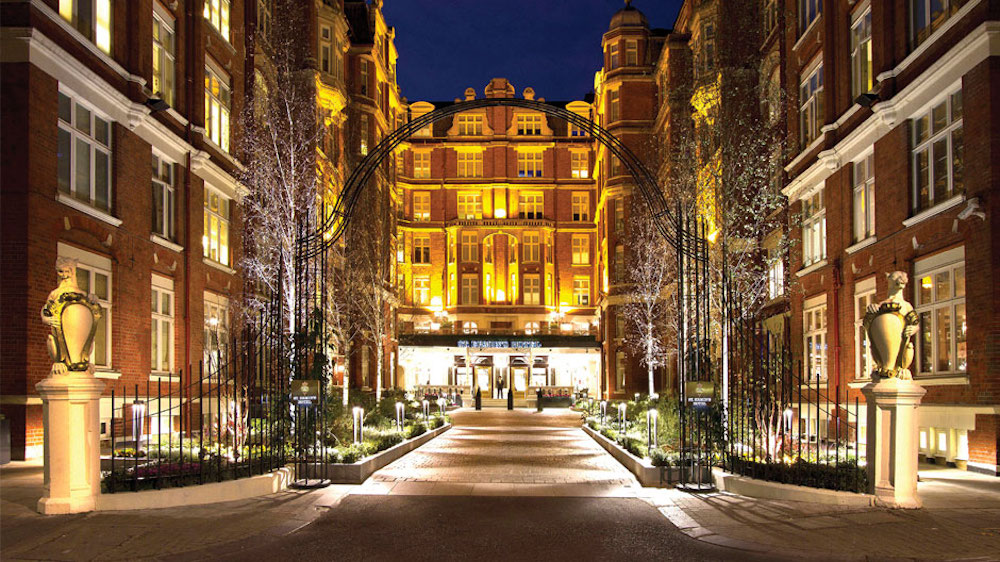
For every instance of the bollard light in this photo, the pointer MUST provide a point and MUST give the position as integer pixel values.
(621, 416)
(399, 416)
(359, 428)
(604, 411)
(427, 409)
(441, 406)
(651, 416)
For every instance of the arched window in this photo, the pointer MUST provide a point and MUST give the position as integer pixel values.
(470, 327)
(531, 328)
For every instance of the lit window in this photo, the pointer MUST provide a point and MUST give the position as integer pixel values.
(325, 49)
(775, 274)
(217, 105)
(631, 53)
(421, 165)
(576, 130)
(215, 240)
(364, 134)
(938, 154)
(421, 291)
(940, 305)
(470, 247)
(92, 18)
(532, 290)
(529, 124)
(705, 59)
(814, 332)
(470, 164)
(530, 205)
(864, 295)
(529, 164)
(217, 13)
(809, 11)
(531, 327)
(162, 326)
(470, 125)
(581, 291)
(84, 153)
(580, 165)
(421, 249)
(264, 11)
(614, 105)
(613, 61)
(163, 198)
(927, 16)
(864, 198)
(470, 327)
(470, 292)
(216, 335)
(163, 54)
(861, 54)
(581, 206)
(811, 105)
(813, 229)
(581, 249)
(421, 206)
(470, 206)
(93, 276)
(531, 247)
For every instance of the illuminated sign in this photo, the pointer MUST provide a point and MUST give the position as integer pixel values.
(499, 344)
(699, 392)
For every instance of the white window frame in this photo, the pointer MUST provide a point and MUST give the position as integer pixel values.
(422, 290)
(162, 324)
(470, 247)
(531, 205)
(98, 30)
(531, 247)
(94, 264)
(809, 12)
(815, 349)
(950, 134)
(165, 206)
(580, 206)
(265, 11)
(813, 229)
(531, 283)
(470, 205)
(470, 164)
(529, 163)
(218, 13)
(864, 198)
(775, 276)
(811, 102)
(950, 264)
(96, 149)
(215, 316)
(580, 165)
(864, 295)
(581, 291)
(421, 165)
(421, 206)
(421, 249)
(326, 55)
(581, 249)
(217, 240)
(164, 54)
(862, 78)
(922, 8)
(218, 107)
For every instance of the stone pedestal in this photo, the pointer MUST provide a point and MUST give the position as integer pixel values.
(893, 441)
(71, 416)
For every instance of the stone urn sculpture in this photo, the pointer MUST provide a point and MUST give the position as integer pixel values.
(890, 324)
(72, 316)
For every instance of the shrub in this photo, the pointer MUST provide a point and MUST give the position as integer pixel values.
(416, 429)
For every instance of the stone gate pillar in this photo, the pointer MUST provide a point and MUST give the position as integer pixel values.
(893, 441)
(71, 416)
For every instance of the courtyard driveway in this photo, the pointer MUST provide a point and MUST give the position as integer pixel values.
(512, 453)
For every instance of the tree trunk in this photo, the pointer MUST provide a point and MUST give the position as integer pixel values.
(379, 352)
(649, 356)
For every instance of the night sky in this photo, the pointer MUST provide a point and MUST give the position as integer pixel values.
(554, 46)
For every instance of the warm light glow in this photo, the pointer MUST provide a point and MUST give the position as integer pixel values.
(713, 236)
(436, 304)
(500, 213)
(501, 295)
(926, 283)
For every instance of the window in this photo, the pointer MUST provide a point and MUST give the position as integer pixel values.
(421, 249)
(618, 266)
(470, 125)
(470, 327)
(530, 205)
(532, 290)
(363, 83)
(549, 253)
(938, 151)
(163, 54)
(470, 290)
(631, 53)
(861, 54)
(421, 165)
(529, 124)
(581, 206)
(940, 305)
(864, 198)
(614, 166)
(470, 164)
(929, 15)
(163, 198)
(216, 330)
(619, 216)
(93, 276)
(531, 327)
(706, 52)
(84, 153)
(529, 164)
(92, 18)
(813, 229)
(162, 326)
(215, 240)
(531, 247)
(809, 11)
(811, 105)
(775, 275)
(770, 16)
(421, 206)
(217, 14)
(581, 291)
(580, 165)
(620, 370)
(614, 110)
(864, 295)
(814, 329)
(364, 134)
(264, 11)
(421, 291)
(581, 249)
(577, 131)
(613, 61)
(470, 247)
(217, 105)
(470, 206)
(325, 49)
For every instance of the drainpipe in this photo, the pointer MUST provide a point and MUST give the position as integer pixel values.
(835, 327)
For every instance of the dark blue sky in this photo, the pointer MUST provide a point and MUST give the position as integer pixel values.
(554, 46)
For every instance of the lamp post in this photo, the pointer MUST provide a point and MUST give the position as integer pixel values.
(604, 411)
(399, 416)
(651, 416)
(359, 427)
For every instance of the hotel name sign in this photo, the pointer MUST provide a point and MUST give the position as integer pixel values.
(499, 344)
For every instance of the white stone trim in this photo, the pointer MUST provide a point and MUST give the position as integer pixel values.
(815, 301)
(88, 210)
(162, 282)
(85, 257)
(920, 50)
(860, 245)
(814, 267)
(947, 380)
(203, 167)
(21, 400)
(166, 243)
(935, 210)
(938, 260)
(108, 374)
(218, 266)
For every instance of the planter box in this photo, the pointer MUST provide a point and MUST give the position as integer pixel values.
(358, 472)
(214, 492)
(647, 474)
(557, 401)
(744, 486)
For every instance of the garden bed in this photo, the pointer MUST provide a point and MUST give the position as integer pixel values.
(647, 474)
(751, 487)
(358, 472)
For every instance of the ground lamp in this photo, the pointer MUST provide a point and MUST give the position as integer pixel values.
(441, 406)
(427, 409)
(399, 416)
(651, 416)
(604, 410)
(138, 417)
(359, 424)
(621, 416)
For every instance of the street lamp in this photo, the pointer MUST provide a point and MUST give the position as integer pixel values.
(359, 424)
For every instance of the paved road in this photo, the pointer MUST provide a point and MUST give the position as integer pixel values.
(498, 486)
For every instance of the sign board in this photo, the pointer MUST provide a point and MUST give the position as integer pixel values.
(499, 344)
(699, 392)
(305, 392)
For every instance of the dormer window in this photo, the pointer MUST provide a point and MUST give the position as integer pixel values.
(529, 125)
